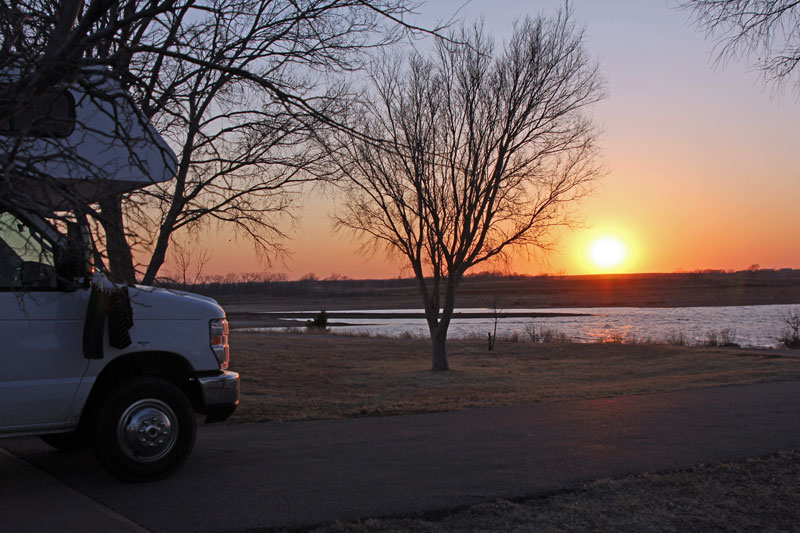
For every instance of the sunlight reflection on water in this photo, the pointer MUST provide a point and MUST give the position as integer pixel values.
(753, 325)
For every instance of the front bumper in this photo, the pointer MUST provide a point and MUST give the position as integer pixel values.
(220, 395)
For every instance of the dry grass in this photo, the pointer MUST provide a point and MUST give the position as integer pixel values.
(752, 495)
(303, 376)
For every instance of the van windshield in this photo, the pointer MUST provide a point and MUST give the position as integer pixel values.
(26, 257)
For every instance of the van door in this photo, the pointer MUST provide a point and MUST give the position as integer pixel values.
(41, 358)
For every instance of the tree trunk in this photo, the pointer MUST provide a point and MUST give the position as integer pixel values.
(158, 257)
(439, 339)
(177, 204)
(120, 260)
(438, 325)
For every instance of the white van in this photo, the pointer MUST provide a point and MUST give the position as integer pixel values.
(87, 363)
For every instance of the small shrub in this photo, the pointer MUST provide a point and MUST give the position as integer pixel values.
(538, 334)
(724, 337)
(641, 341)
(676, 338)
(727, 338)
(551, 336)
(534, 332)
(790, 336)
(319, 324)
(711, 339)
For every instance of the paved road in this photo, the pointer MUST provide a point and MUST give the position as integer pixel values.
(303, 473)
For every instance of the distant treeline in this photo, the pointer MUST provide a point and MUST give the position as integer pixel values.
(279, 284)
(276, 285)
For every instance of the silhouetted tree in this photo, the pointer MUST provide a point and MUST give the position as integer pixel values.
(768, 31)
(481, 152)
(238, 87)
(241, 87)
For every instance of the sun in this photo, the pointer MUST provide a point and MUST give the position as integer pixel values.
(607, 252)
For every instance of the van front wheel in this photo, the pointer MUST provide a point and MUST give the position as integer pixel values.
(145, 430)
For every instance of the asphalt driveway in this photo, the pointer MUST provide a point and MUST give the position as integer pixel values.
(295, 474)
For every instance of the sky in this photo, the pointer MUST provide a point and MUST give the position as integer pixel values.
(703, 159)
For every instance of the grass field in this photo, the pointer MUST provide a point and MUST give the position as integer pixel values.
(303, 376)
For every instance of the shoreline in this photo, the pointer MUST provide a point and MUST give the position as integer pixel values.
(291, 319)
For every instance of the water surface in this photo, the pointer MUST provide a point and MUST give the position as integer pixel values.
(751, 325)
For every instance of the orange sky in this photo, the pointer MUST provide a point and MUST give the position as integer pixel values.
(704, 162)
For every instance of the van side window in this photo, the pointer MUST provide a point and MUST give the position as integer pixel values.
(50, 115)
(26, 258)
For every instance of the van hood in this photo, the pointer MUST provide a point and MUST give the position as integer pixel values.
(150, 303)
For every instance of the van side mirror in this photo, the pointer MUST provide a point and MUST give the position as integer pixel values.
(33, 274)
(74, 260)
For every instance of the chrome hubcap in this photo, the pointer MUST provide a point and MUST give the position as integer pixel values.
(147, 430)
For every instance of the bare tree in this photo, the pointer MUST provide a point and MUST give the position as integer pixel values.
(767, 31)
(189, 259)
(482, 153)
(237, 86)
(241, 89)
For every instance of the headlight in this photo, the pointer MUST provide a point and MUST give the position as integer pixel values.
(218, 335)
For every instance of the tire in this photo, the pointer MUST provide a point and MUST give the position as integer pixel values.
(145, 430)
(72, 441)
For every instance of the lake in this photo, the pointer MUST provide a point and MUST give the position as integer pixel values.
(753, 325)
